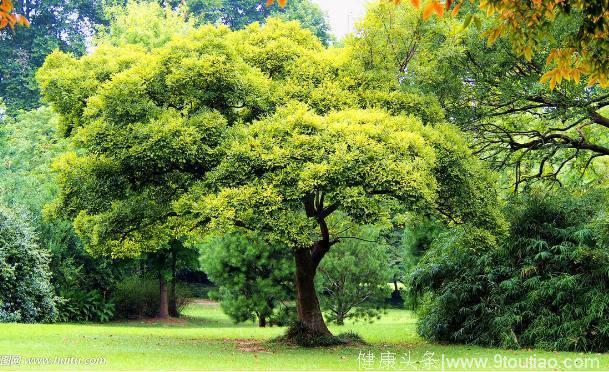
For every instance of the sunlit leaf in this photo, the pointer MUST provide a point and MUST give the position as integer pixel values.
(428, 10)
(467, 21)
(6, 6)
(438, 9)
(478, 22)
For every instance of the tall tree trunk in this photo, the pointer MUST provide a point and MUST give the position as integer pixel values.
(173, 306)
(307, 303)
(164, 306)
(261, 321)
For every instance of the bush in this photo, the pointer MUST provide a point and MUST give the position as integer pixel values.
(77, 305)
(26, 294)
(28, 145)
(254, 279)
(353, 278)
(545, 286)
(137, 298)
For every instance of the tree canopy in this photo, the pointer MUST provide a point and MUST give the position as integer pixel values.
(238, 14)
(528, 26)
(55, 24)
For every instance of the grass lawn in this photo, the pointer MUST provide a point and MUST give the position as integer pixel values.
(207, 339)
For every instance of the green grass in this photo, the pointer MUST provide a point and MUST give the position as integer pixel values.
(207, 339)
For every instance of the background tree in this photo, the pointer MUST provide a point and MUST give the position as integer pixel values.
(163, 264)
(407, 241)
(353, 277)
(28, 145)
(528, 26)
(147, 24)
(254, 279)
(237, 14)
(536, 132)
(26, 294)
(285, 176)
(524, 125)
(55, 24)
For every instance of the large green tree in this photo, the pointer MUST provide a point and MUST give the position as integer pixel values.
(285, 176)
(152, 125)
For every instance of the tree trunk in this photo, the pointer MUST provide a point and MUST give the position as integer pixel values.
(164, 306)
(173, 306)
(261, 321)
(307, 303)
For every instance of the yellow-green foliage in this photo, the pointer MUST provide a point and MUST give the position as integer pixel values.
(142, 23)
(150, 124)
(68, 82)
(368, 163)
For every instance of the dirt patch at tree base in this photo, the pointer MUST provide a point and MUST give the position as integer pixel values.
(249, 346)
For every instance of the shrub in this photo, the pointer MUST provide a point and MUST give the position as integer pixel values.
(137, 298)
(26, 294)
(353, 278)
(78, 305)
(254, 279)
(545, 286)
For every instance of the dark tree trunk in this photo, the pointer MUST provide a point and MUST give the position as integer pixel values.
(173, 306)
(395, 285)
(307, 303)
(261, 321)
(164, 306)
